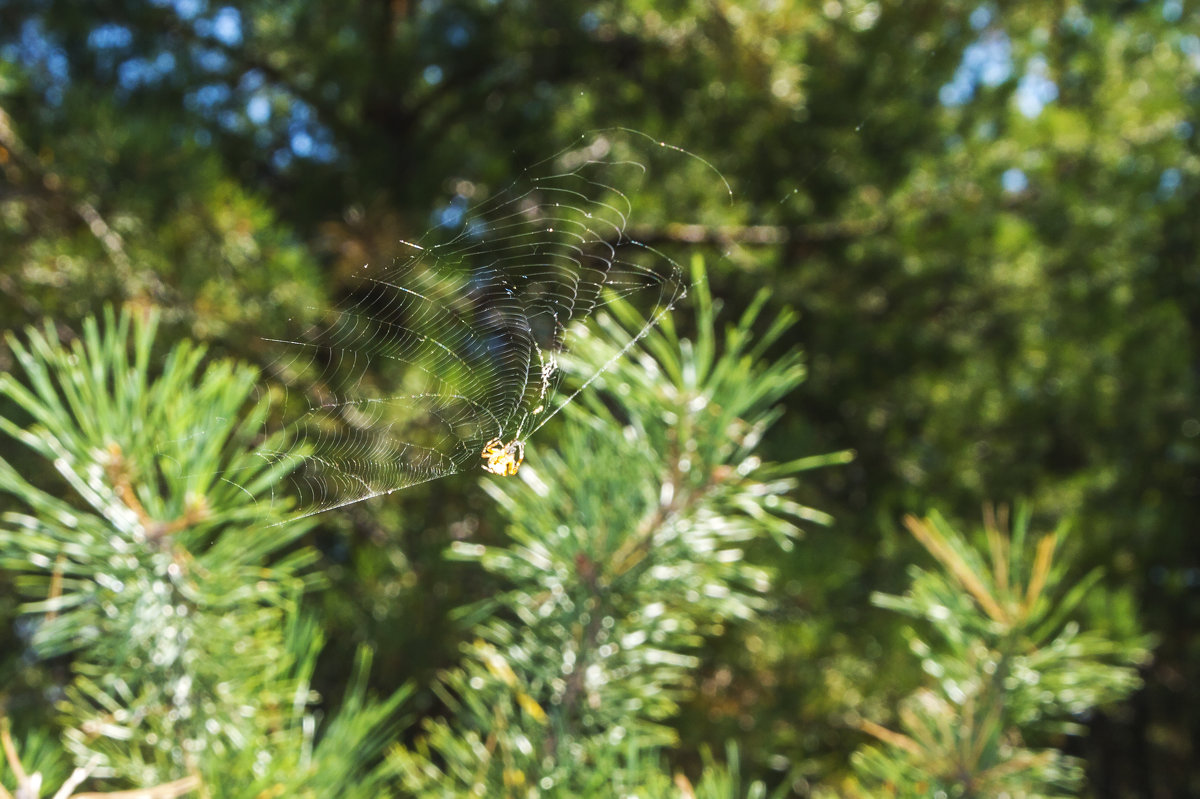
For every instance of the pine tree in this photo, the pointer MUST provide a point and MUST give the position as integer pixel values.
(153, 564)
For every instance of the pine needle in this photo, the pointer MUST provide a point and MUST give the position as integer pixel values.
(937, 546)
(888, 736)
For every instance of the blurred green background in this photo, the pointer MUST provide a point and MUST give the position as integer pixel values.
(985, 212)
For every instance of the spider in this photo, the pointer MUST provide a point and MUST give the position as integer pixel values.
(503, 459)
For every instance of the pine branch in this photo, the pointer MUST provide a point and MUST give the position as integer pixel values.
(1008, 663)
(29, 785)
(625, 549)
(164, 578)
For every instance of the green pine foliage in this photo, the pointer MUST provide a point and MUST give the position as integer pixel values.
(158, 571)
(1011, 673)
(172, 592)
(626, 548)
(998, 301)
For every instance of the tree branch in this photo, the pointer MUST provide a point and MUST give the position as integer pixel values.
(19, 157)
(757, 235)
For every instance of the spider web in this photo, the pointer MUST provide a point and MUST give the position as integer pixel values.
(454, 346)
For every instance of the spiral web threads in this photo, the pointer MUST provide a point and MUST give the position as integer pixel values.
(455, 344)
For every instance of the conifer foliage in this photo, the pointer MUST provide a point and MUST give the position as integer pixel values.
(1009, 668)
(174, 597)
(165, 646)
(626, 548)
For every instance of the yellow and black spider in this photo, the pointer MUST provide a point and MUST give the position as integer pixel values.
(503, 459)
